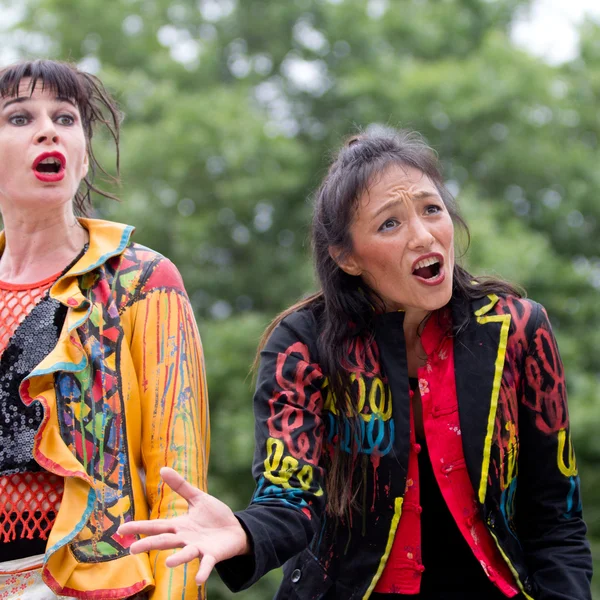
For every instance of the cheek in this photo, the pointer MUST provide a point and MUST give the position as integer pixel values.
(12, 154)
(384, 274)
(82, 158)
(12, 168)
(377, 259)
(449, 229)
(445, 235)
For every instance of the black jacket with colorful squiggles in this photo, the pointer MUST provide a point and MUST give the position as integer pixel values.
(516, 441)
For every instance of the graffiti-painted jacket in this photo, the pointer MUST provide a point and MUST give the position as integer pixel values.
(124, 394)
(516, 442)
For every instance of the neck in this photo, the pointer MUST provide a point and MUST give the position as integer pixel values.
(414, 321)
(39, 243)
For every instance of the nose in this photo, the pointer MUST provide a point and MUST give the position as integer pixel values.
(47, 133)
(420, 236)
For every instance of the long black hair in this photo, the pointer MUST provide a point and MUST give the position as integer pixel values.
(346, 305)
(86, 91)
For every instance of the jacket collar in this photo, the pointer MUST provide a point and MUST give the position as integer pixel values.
(479, 356)
(107, 239)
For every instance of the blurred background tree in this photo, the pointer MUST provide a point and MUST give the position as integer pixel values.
(232, 109)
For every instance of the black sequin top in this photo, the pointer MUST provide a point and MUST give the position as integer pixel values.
(32, 341)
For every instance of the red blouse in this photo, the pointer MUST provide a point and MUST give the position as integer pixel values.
(402, 573)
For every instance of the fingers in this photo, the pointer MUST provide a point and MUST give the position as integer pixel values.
(164, 541)
(178, 484)
(188, 554)
(153, 527)
(206, 566)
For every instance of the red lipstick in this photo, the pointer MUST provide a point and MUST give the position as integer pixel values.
(429, 269)
(52, 169)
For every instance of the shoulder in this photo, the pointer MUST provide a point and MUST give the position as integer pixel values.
(527, 316)
(291, 351)
(517, 307)
(299, 326)
(139, 271)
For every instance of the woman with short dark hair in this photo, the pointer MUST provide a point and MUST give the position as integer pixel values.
(411, 419)
(101, 368)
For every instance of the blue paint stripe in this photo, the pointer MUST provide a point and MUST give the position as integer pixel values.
(81, 321)
(124, 240)
(570, 495)
(61, 366)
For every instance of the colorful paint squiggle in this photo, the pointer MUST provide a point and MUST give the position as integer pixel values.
(566, 465)
(279, 469)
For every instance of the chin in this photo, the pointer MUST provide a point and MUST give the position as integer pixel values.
(50, 197)
(438, 299)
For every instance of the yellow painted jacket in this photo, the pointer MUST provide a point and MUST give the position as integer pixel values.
(124, 394)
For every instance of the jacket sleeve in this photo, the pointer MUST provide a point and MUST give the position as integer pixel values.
(289, 499)
(551, 528)
(167, 353)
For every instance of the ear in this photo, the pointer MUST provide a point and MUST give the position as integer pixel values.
(345, 261)
(85, 165)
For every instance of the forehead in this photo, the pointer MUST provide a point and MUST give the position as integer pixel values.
(40, 91)
(28, 89)
(396, 182)
(396, 179)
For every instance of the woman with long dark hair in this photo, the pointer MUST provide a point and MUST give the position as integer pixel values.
(411, 419)
(101, 369)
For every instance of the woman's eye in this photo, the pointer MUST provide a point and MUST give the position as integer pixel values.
(65, 120)
(388, 224)
(433, 209)
(19, 120)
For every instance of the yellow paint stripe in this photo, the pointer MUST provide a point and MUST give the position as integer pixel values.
(484, 309)
(569, 470)
(511, 567)
(485, 465)
(388, 547)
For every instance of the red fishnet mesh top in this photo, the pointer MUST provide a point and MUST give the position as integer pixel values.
(28, 501)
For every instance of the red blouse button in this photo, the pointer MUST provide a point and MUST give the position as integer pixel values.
(417, 448)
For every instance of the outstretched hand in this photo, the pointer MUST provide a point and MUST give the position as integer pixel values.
(208, 531)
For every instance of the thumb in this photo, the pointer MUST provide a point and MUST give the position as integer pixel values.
(179, 485)
(207, 564)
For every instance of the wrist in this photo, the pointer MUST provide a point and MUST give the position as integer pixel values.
(247, 547)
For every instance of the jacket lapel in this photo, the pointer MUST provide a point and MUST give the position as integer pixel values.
(479, 354)
(389, 335)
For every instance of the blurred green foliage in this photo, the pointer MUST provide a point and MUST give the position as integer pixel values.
(232, 108)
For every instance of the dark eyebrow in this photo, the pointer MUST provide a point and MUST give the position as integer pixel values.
(21, 99)
(417, 196)
(14, 101)
(65, 99)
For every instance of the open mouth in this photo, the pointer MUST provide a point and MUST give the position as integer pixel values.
(49, 165)
(428, 268)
